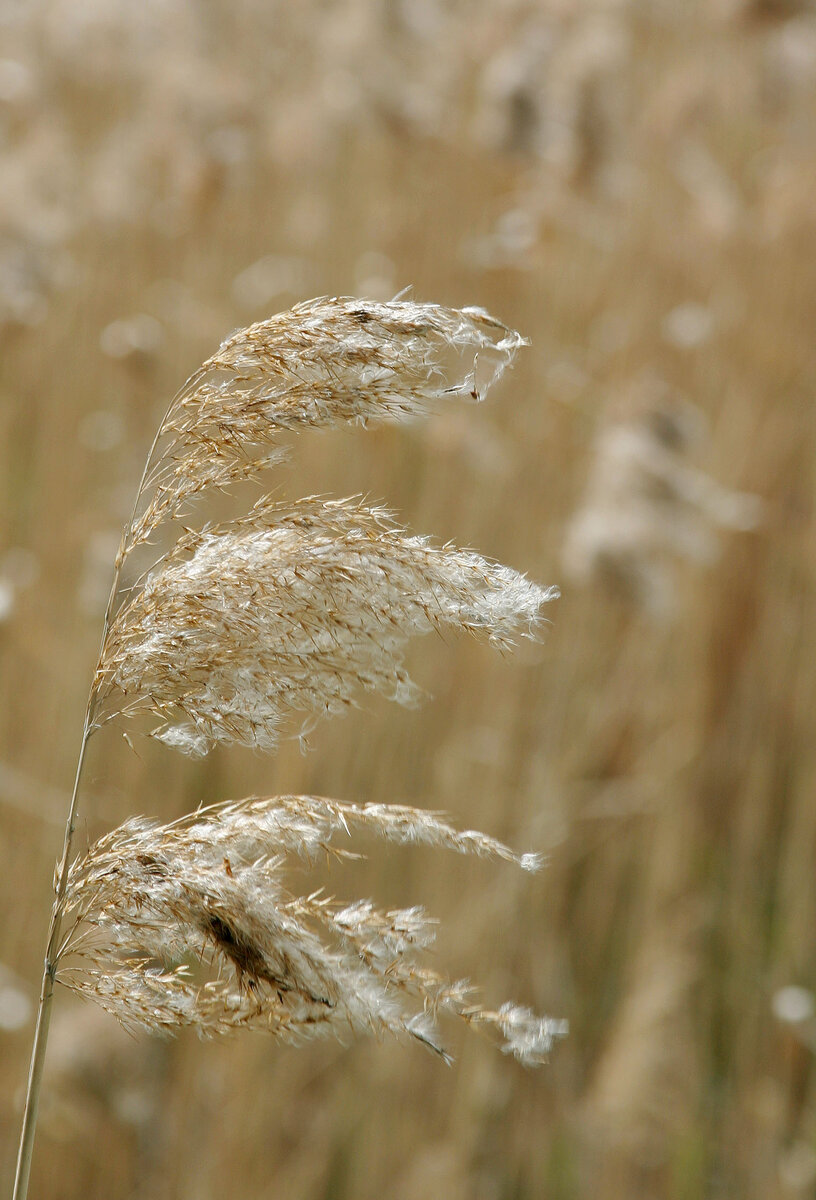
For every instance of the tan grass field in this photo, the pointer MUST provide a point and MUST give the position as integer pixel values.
(631, 186)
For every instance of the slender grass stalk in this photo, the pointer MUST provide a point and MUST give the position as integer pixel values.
(287, 612)
(32, 1100)
(37, 1064)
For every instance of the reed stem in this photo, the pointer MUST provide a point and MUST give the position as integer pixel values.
(35, 1072)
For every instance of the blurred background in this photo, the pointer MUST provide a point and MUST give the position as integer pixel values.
(631, 184)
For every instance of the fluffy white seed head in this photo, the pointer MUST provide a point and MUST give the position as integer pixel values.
(189, 924)
(295, 610)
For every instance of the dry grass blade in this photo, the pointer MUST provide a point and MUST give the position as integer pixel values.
(188, 924)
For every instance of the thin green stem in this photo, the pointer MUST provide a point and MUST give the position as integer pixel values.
(35, 1073)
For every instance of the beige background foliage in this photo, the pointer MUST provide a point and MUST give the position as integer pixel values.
(630, 184)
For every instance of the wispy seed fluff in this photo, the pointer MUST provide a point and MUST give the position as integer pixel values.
(189, 924)
(325, 362)
(300, 608)
(296, 610)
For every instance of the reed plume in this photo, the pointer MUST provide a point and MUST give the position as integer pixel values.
(293, 610)
(188, 924)
(234, 631)
(325, 362)
(646, 504)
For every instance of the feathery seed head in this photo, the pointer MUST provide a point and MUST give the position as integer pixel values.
(325, 362)
(295, 610)
(646, 504)
(188, 924)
